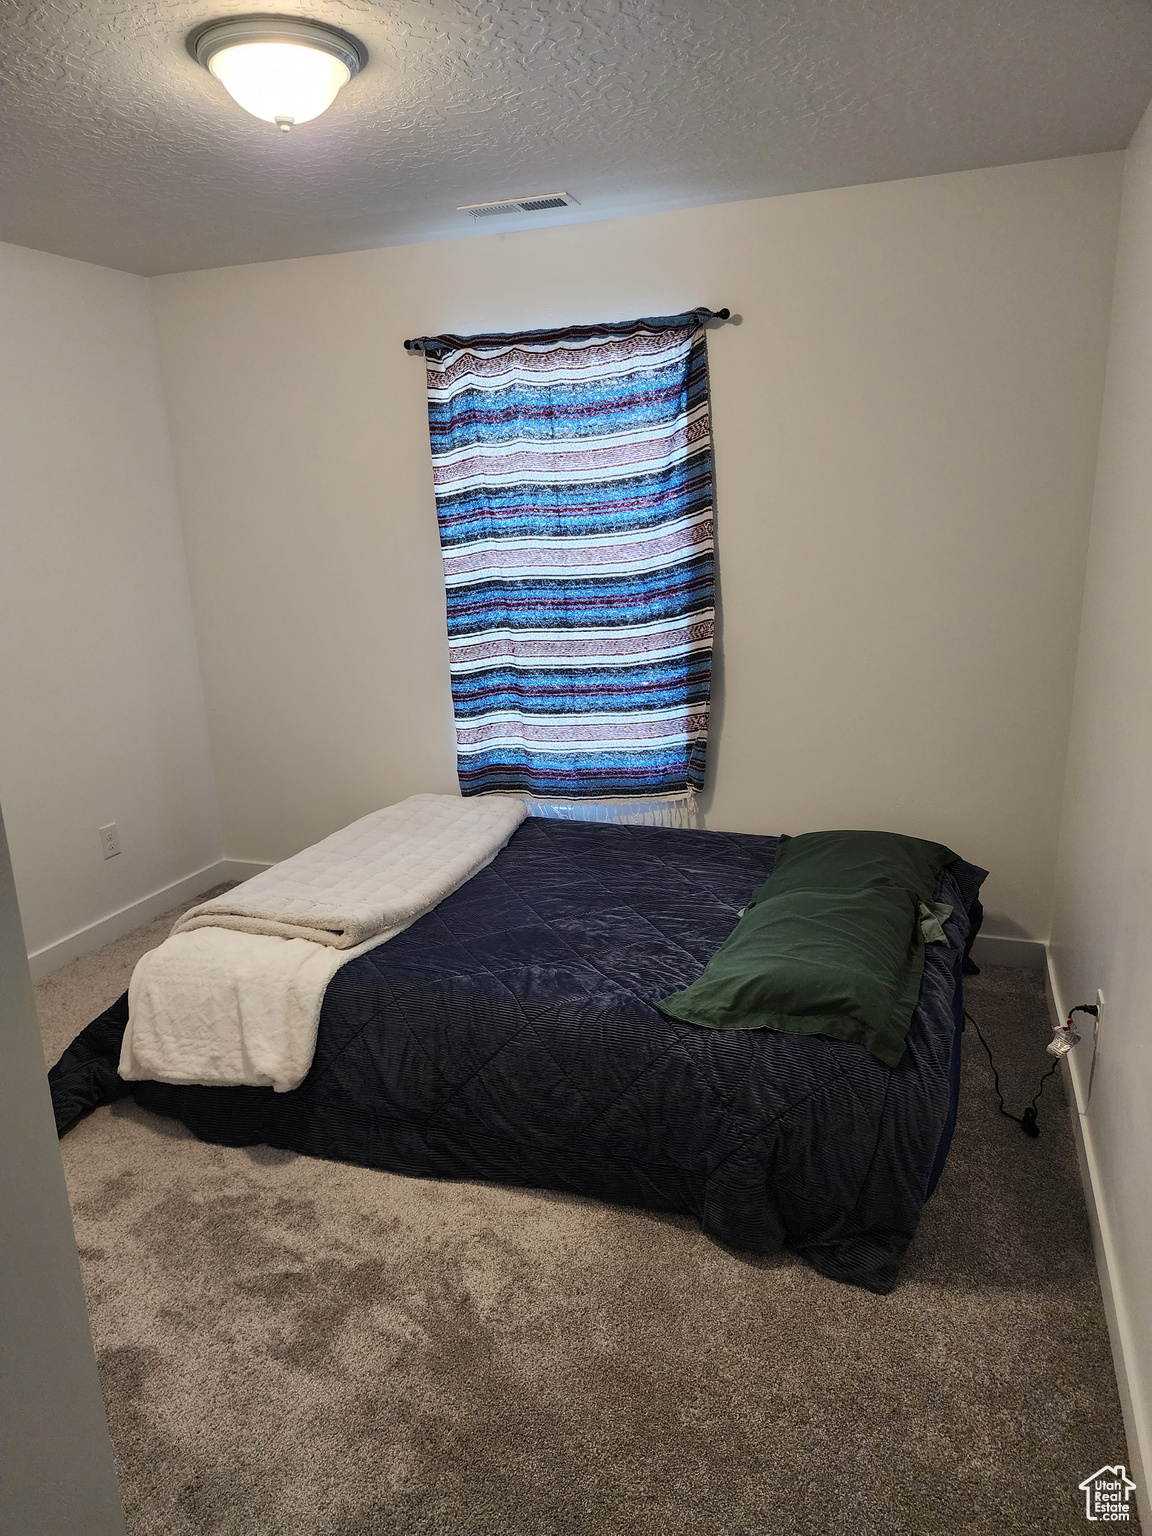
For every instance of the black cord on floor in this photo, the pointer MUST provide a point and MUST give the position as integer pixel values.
(1026, 1121)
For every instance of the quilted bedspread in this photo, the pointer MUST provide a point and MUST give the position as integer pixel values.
(511, 1035)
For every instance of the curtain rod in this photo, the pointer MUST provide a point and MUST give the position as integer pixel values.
(433, 344)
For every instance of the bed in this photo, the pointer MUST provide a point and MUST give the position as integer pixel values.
(511, 1035)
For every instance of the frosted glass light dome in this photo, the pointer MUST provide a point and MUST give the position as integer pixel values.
(282, 69)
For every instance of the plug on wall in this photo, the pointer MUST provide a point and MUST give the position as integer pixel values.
(110, 840)
(1096, 1023)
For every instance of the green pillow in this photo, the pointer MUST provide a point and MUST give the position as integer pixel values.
(830, 944)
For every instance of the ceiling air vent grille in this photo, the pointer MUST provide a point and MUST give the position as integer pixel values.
(540, 203)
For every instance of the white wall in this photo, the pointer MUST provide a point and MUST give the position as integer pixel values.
(1102, 934)
(59, 1479)
(101, 705)
(905, 428)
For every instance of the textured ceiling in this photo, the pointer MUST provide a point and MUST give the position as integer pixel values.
(117, 148)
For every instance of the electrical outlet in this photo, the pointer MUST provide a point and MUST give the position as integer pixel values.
(1096, 1025)
(110, 840)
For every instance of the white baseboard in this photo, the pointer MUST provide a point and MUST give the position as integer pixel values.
(241, 869)
(1136, 1427)
(42, 962)
(1029, 953)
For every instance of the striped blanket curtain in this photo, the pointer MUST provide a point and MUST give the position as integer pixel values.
(573, 477)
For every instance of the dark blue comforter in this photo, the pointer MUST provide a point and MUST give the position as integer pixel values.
(512, 1035)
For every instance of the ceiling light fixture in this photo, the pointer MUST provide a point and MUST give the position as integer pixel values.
(283, 69)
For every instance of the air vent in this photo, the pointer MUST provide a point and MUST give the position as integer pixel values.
(538, 204)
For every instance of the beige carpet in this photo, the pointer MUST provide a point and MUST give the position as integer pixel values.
(297, 1348)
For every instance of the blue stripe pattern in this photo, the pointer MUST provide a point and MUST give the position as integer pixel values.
(573, 475)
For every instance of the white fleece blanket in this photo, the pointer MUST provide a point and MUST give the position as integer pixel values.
(233, 996)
